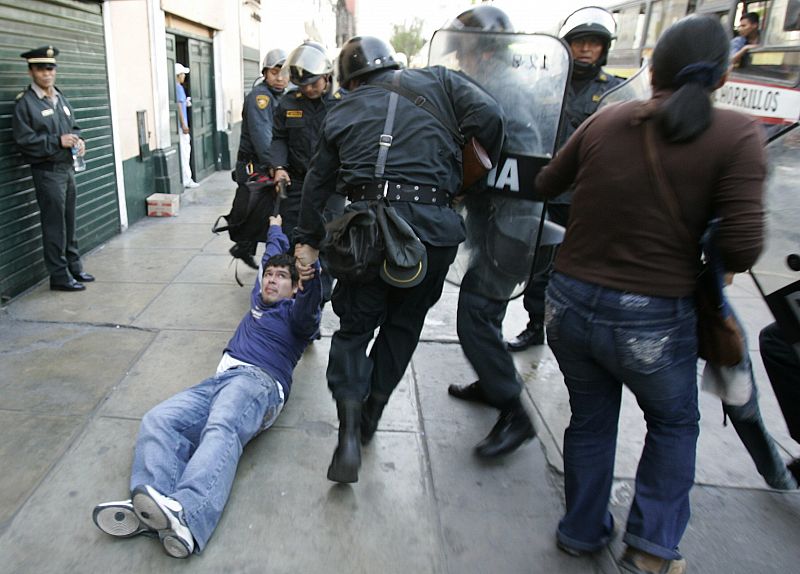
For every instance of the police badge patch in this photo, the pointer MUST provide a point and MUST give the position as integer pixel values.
(262, 101)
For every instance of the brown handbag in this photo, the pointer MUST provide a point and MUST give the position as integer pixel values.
(475, 163)
(719, 340)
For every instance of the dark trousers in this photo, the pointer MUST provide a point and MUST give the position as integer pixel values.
(533, 298)
(56, 195)
(400, 314)
(480, 323)
(783, 368)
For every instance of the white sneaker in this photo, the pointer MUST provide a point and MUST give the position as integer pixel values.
(119, 519)
(164, 514)
(191, 184)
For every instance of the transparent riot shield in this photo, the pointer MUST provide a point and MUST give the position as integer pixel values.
(777, 272)
(527, 74)
(637, 87)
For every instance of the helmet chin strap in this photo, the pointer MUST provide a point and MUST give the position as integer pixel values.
(584, 71)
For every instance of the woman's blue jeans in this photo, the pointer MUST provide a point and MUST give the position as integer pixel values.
(604, 338)
(189, 446)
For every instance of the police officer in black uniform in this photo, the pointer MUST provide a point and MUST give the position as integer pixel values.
(298, 121)
(422, 172)
(257, 117)
(589, 32)
(47, 135)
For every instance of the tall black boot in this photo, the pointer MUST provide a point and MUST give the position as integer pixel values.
(370, 415)
(347, 456)
(512, 428)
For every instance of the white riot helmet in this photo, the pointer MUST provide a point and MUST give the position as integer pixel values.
(590, 21)
(306, 64)
(275, 57)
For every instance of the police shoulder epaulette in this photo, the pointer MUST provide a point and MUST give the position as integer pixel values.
(337, 95)
(298, 95)
(602, 78)
(19, 95)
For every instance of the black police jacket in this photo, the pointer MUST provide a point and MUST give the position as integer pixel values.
(423, 152)
(257, 118)
(37, 127)
(296, 129)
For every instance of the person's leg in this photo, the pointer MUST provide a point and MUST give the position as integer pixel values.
(590, 439)
(246, 402)
(185, 144)
(783, 369)
(71, 243)
(51, 195)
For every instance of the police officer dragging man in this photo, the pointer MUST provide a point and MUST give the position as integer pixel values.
(48, 137)
(256, 139)
(589, 32)
(419, 171)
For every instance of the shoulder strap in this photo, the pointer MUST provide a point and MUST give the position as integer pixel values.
(422, 102)
(385, 141)
(662, 186)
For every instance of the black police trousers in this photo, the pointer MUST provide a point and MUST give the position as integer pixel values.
(400, 314)
(480, 332)
(56, 196)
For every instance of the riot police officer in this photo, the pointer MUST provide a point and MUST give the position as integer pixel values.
(256, 139)
(297, 122)
(481, 309)
(589, 32)
(47, 135)
(423, 171)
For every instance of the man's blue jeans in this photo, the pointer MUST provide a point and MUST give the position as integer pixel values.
(602, 339)
(189, 445)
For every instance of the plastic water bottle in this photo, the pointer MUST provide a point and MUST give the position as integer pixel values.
(78, 161)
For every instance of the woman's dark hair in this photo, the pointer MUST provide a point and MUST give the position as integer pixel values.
(690, 58)
(284, 260)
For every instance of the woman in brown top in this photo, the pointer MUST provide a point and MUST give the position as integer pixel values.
(619, 306)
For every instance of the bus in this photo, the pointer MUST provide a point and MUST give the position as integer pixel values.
(766, 84)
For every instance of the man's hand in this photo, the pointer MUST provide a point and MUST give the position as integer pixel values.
(185, 129)
(282, 175)
(305, 257)
(81, 148)
(275, 220)
(70, 140)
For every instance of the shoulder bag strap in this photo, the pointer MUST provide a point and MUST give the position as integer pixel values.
(422, 102)
(385, 141)
(662, 186)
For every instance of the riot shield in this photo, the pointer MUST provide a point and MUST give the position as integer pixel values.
(777, 272)
(637, 87)
(527, 74)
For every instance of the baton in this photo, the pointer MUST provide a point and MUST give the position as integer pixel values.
(280, 188)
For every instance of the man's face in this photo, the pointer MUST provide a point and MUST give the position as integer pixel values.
(274, 79)
(746, 27)
(44, 75)
(181, 78)
(314, 90)
(276, 284)
(587, 49)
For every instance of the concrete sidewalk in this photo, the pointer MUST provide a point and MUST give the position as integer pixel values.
(80, 369)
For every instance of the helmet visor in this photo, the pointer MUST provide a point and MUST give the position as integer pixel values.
(305, 64)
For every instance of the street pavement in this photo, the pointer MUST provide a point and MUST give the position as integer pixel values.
(80, 369)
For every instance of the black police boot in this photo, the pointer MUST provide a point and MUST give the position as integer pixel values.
(532, 335)
(244, 251)
(472, 393)
(347, 456)
(512, 428)
(370, 415)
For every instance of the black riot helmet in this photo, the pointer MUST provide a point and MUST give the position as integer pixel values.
(364, 54)
(590, 21)
(484, 18)
(306, 64)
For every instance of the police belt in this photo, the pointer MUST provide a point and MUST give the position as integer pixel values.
(423, 194)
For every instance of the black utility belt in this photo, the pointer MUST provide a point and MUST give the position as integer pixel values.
(52, 165)
(423, 194)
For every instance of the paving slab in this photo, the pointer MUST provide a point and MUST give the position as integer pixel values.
(186, 306)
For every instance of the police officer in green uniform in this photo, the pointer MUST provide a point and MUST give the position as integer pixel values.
(47, 135)
(257, 116)
(589, 32)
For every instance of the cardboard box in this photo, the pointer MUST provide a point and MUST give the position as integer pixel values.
(163, 204)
